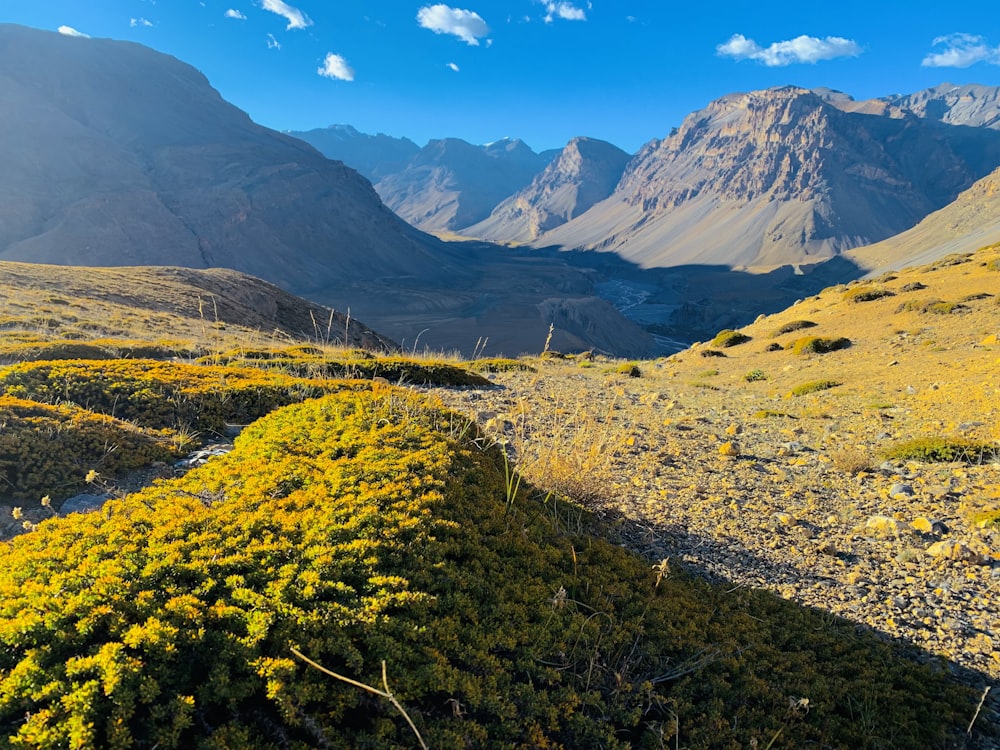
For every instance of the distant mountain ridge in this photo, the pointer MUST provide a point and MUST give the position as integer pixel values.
(585, 172)
(753, 180)
(374, 156)
(117, 155)
(450, 183)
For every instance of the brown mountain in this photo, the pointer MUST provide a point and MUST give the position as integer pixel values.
(585, 172)
(115, 154)
(451, 184)
(972, 221)
(777, 177)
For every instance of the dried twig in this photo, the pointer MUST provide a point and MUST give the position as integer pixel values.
(387, 694)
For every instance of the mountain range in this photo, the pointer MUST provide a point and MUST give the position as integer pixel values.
(758, 180)
(118, 155)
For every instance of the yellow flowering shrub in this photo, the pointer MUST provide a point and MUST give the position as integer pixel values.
(12, 350)
(310, 362)
(365, 526)
(48, 450)
(161, 394)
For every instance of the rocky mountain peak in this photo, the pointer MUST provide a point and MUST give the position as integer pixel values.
(585, 172)
(740, 147)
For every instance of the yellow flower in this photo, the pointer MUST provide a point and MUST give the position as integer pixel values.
(46, 501)
(17, 514)
(91, 476)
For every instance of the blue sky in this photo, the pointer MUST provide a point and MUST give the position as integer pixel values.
(626, 71)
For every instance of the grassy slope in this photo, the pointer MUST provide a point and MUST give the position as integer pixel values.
(371, 525)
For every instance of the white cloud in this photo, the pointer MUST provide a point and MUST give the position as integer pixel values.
(232, 13)
(335, 66)
(453, 66)
(467, 25)
(961, 51)
(801, 49)
(273, 43)
(295, 17)
(139, 22)
(566, 11)
(70, 31)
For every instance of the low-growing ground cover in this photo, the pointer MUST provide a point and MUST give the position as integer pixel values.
(365, 527)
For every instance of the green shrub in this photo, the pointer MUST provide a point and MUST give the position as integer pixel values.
(913, 286)
(975, 297)
(360, 528)
(629, 368)
(943, 450)
(356, 365)
(814, 386)
(48, 450)
(728, 337)
(754, 376)
(498, 364)
(771, 414)
(867, 294)
(162, 394)
(712, 353)
(794, 325)
(944, 308)
(774, 346)
(818, 345)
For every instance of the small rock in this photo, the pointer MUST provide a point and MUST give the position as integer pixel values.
(786, 520)
(729, 448)
(83, 503)
(953, 551)
(900, 490)
(884, 526)
(923, 525)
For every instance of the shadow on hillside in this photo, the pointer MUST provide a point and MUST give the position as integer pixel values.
(694, 302)
(507, 296)
(685, 553)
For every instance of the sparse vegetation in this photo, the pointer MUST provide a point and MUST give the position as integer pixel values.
(500, 365)
(850, 460)
(728, 337)
(629, 368)
(772, 414)
(943, 450)
(794, 325)
(814, 386)
(818, 345)
(867, 294)
(755, 375)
